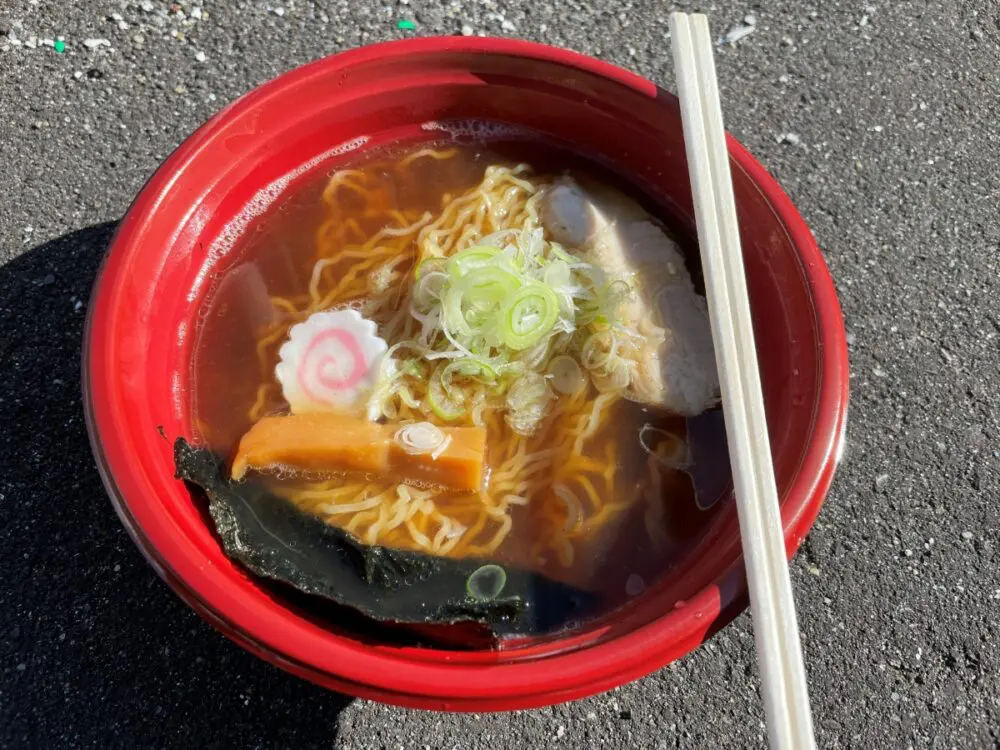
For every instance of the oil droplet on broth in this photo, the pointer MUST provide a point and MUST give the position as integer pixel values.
(635, 585)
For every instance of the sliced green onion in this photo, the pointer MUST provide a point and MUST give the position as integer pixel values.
(427, 289)
(614, 378)
(532, 244)
(535, 356)
(407, 397)
(469, 304)
(528, 316)
(453, 313)
(511, 258)
(488, 283)
(412, 368)
(529, 390)
(459, 351)
(429, 265)
(614, 295)
(437, 452)
(557, 274)
(419, 437)
(468, 367)
(559, 252)
(441, 402)
(486, 583)
(475, 257)
(567, 376)
(494, 240)
(599, 351)
(528, 402)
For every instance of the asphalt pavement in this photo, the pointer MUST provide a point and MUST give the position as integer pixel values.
(879, 118)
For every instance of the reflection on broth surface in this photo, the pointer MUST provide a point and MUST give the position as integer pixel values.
(471, 353)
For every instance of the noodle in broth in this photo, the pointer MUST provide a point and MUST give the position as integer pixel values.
(591, 471)
(550, 470)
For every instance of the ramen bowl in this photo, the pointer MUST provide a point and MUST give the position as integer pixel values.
(144, 316)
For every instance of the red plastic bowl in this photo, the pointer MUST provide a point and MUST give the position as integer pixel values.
(139, 341)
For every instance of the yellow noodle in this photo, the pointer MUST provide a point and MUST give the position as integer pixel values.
(433, 153)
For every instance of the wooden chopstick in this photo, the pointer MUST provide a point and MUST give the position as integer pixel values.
(783, 678)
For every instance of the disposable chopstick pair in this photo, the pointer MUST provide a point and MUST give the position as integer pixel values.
(783, 678)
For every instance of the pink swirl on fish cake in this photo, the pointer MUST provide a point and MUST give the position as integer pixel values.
(319, 368)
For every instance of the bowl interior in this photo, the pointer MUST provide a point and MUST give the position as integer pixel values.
(176, 240)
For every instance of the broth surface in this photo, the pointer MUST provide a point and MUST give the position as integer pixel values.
(628, 550)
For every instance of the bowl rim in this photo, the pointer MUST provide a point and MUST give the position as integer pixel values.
(422, 682)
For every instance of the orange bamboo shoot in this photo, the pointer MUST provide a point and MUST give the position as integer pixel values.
(327, 443)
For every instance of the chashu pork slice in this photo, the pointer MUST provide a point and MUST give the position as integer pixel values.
(673, 364)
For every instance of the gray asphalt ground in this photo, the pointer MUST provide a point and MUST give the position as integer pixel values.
(893, 161)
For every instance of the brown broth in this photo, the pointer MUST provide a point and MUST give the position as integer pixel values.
(275, 258)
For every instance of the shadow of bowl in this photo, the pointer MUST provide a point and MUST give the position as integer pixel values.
(96, 651)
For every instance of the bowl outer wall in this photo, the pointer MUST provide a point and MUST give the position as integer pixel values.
(120, 353)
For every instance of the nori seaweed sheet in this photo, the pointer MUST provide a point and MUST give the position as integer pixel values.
(274, 538)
